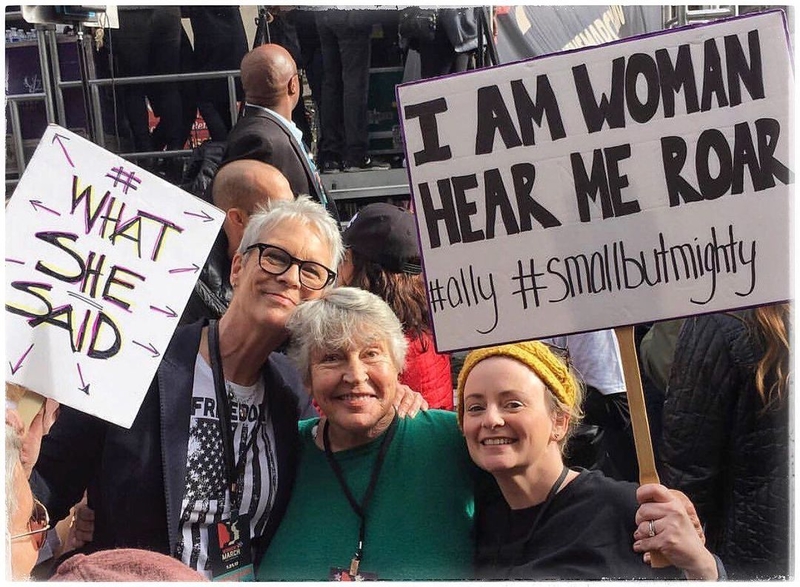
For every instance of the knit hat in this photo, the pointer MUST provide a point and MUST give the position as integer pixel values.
(124, 564)
(548, 367)
(387, 235)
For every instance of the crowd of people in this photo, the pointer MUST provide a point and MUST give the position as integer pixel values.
(330, 47)
(302, 425)
(284, 422)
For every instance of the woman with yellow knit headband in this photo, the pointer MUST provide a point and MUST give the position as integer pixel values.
(517, 406)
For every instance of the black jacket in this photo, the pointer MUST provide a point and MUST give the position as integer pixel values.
(260, 135)
(213, 291)
(136, 477)
(728, 457)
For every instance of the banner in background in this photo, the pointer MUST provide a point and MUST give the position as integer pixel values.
(532, 31)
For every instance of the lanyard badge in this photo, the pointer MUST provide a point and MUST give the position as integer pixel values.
(229, 545)
(353, 573)
(229, 549)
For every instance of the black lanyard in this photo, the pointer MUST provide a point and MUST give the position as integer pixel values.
(521, 543)
(232, 468)
(359, 508)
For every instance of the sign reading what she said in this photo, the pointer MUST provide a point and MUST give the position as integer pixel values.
(641, 180)
(101, 257)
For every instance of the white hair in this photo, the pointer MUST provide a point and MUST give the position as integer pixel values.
(341, 319)
(303, 210)
(13, 449)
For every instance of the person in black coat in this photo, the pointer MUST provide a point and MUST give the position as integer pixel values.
(266, 132)
(221, 395)
(220, 43)
(726, 435)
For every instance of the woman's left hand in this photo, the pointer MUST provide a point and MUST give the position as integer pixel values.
(665, 523)
(408, 402)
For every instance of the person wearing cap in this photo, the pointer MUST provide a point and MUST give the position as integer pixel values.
(383, 257)
(517, 406)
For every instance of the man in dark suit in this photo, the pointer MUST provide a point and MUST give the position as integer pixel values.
(265, 131)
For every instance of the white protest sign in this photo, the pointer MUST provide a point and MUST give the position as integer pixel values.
(640, 180)
(101, 257)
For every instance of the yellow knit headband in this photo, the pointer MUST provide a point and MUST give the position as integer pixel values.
(535, 355)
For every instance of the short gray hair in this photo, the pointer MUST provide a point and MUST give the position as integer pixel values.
(342, 318)
(302, 209)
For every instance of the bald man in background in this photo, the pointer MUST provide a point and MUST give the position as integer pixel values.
(239, 188)
(265, 132)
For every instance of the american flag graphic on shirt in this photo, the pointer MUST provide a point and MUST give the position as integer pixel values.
(206, 497)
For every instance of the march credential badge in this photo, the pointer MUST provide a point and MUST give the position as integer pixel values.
(229, 549)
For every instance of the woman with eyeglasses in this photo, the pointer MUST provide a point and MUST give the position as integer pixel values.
(208, 464)
(517, 406)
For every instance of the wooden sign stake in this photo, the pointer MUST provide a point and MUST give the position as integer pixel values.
(641, 427)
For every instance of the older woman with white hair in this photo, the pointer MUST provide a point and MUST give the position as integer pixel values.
(376, 496)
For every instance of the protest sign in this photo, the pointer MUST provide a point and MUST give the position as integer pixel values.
(640, 180)
(101, 257)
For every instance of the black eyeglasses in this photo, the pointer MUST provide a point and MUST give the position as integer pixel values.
(38, 525)
(276, 261)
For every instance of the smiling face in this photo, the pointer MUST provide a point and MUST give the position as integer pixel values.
(355, 389)
(268, 300)
(510, 425)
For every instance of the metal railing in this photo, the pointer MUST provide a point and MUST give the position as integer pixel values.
(13, 102)
(675, 16)
(53, 97)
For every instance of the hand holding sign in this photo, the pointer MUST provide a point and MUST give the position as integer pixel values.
(635, 181)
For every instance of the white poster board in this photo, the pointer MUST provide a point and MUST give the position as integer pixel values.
(640, 180)
(101, 257)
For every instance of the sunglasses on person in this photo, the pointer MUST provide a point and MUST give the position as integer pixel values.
(276, 261)
(38, 525)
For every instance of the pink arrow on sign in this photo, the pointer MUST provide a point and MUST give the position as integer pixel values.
(59, 138)
(85, 388)
(194, 268)
(15, 368)
(203, 214)
(37, 204)
(169, 311)
(148, 347)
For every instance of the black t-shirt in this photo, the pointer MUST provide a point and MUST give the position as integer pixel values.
(585, 533)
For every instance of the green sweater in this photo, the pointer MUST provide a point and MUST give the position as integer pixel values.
(419, 524)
